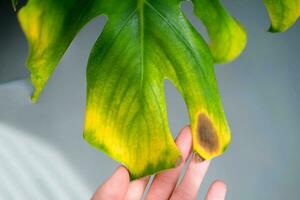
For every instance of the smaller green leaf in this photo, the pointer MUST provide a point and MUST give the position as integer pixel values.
(283, 13)
(50, 26)
(227, 36)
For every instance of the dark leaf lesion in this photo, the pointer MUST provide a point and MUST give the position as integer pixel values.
(207, 134)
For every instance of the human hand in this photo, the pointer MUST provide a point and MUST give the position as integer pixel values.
(164, 185)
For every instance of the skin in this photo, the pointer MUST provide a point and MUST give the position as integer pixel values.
(165, 184)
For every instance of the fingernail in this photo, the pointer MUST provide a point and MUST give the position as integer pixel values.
(197, 158)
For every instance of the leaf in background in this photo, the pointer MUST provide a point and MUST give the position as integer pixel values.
(227, 36)
(283, 13)
(143, 43)
(50, 26)
(14, 4)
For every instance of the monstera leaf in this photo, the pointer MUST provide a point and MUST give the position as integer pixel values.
(228, 37)
(283, 13)
(144, 42)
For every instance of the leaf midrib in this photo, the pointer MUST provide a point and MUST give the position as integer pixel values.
(140, 10)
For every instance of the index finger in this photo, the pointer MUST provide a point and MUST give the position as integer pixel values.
(192, 179)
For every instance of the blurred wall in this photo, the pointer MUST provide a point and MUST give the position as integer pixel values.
(260, 93)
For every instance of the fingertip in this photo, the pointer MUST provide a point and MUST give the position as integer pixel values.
(122, 173)
(164, 183)
(217, 190)
(136, 188)
(220, 185)
(184, 142)
(184, 133)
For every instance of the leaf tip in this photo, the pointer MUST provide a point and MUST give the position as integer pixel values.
(210, 139)
(36, 90)
(34, 97)
(273, 29)
(197, 158)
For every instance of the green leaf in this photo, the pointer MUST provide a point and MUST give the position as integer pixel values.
(227, 36)
(50, 26)
(143, 44)
(283, 13)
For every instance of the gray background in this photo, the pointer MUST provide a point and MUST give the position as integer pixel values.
(260, 92)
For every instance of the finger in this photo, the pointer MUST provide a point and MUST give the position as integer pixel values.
(136, 188)
(192, 180)
(115, 187)
(217, 191)
(165, 182)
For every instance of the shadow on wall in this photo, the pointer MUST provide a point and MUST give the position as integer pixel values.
(30, 169)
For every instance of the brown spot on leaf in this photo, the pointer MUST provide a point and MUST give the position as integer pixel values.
(208, 138)
(198, 158)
